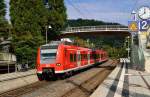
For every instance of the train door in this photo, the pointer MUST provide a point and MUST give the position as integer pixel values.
(78, 58)
(72, 57)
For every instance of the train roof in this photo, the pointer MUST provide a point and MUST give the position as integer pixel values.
(55, 44)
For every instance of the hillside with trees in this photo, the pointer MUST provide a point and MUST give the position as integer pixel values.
(87, 22)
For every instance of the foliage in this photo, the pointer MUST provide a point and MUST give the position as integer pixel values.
(113, 45)
(83, 43)
(3, 23)
(56, 18)
(2, 9)
(30, 19)
(87, 22)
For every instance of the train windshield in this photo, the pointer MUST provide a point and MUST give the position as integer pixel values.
(48, 56)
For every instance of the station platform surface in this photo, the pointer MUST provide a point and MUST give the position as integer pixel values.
(124, 81)
(10, 76)
(16, 80)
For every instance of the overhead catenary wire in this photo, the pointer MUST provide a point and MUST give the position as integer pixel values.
(80, 5)
(78, 10)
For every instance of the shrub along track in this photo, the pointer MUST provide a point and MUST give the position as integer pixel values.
(79, 85)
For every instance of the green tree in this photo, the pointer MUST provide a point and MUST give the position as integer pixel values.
(87, 22)
(28, 18)
(3, 22)
(57, 17)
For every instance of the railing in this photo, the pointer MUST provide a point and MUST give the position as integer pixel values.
(96, 28)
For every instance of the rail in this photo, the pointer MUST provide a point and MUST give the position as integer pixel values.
(95, 28)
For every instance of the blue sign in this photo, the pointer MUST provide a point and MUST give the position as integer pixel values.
(144, 25)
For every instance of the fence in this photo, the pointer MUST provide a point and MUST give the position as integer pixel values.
(7, 62)
(96, 28)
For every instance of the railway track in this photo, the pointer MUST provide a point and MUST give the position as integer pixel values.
(86, 88)
(23, 90)
(81, 84)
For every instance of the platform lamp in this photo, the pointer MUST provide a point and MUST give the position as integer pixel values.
(134, 15)
(47, 27)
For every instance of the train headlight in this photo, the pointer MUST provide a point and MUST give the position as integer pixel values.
(38, 65)
(58, 64)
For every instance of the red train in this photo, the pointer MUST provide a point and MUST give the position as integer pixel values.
(57, 59)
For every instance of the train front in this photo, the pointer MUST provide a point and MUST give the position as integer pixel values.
(47, 60)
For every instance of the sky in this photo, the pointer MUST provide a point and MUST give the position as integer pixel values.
(106, 10)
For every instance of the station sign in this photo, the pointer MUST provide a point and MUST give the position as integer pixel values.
(144, 25)
(133, 26)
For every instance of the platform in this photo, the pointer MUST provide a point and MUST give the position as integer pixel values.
(15, 80)
(15, 75)
(124, 82)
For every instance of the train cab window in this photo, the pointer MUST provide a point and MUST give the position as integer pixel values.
(48, 55)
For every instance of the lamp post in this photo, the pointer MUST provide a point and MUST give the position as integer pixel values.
(128, 49)
(134, 15)
(46, 31)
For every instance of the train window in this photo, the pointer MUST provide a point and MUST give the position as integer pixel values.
(75, 59)
(91, 56)
(71, 57)
(85, 56)
(102, 55)
(82, 56)
(98, 55)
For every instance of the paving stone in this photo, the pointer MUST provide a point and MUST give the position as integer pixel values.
(136, 84)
